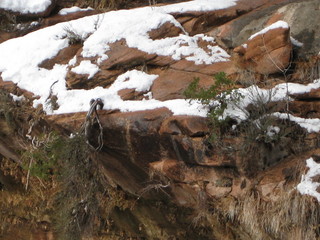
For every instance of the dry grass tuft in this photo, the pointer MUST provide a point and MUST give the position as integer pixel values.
(291, 216)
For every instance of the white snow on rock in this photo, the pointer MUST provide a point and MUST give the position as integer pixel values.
(138, 80)
(279, 24)
(307, 186)
(86, 67)
(272, 131)
(25, 6)
(134, 25)
(198, 5)
(310, 124)
(20, 57)
(295, 42)
(17, 98)
(65, 11)
(256, 95)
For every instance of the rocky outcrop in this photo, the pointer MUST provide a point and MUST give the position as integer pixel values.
(169, 175)
(297, 14)
(268, 52)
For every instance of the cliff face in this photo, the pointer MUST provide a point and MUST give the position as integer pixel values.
(149, 164)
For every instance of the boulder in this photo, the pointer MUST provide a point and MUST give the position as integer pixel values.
(267, 52)
(302, 17)
(199, 22)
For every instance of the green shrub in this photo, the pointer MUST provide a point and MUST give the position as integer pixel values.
(217, 97)
(42, 158)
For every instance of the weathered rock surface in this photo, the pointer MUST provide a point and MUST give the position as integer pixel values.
(298, 14)
(231, 183)
(266, 53)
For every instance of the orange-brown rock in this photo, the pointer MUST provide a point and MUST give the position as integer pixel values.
(131, 94)
(305, 109)
(63, 57)
(155, 155)
(4, 36)
(192, 126)
(171, 83)
(168, 29)
(237, 31)
(266, 53)
(199, 22)
(124, 57)
(103, 78)
(208, 69)
(51, 20)
(314, 94)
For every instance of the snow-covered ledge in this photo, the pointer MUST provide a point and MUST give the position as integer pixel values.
(25, 6)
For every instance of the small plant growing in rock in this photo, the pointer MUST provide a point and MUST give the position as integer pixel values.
(217, 98)
(76, 37)
(73, 36)
(41, 159)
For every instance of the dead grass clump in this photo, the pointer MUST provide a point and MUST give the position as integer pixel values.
(291, 216)
(8, 22)
(307, 71)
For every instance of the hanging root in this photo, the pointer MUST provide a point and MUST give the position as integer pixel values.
(93, 118)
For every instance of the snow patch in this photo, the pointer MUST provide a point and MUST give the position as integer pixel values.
(20, 57)
(65, 11)
(86, 67)
(138, 80)
(295, 42)
(197, 5)
(17, 98)
(133, 26)
(272, 131)
(25, 6)
(310, 124)
(307, 186)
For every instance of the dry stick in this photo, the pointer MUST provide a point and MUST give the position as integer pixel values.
(41, 183)
(28, 174)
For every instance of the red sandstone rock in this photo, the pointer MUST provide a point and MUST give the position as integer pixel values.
(168, 29)
(305, 109)
(131, 94)
(63, 57)
(266, 53)
(171, 83)
(121, 56)
(192, 126)
(199, 22)
(314, 94)
(68, 17)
